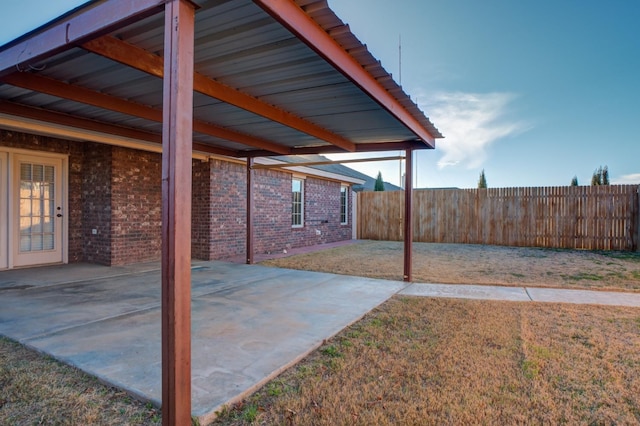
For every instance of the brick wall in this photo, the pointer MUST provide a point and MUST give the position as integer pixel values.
(224, 196)
(136, 206)
(272, 215)
(201, 219)
(117, 192)
(272, 221)
(321, 215)
(96, 211)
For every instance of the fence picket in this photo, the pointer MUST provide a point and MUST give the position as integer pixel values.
(583, 217)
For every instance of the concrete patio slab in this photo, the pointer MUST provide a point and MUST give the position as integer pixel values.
(61, 274)
(249, 323)
(463, 291)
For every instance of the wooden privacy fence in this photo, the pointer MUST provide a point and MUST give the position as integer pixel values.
(581, 217)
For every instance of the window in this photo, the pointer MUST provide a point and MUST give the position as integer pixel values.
(344, 205)
(297, 202)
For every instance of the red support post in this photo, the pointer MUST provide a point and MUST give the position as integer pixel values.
(408, 216)
(176, 212)
(250, 205)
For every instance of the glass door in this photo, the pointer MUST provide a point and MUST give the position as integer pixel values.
(38, 211)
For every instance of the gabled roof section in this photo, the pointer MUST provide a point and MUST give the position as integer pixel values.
(271, 78)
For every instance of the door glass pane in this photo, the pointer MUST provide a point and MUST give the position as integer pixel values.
(38, 173)
(47, 226)
(25, 189)
(25, 172)
(47, 241)
(37, 207)
(36, 225)
(48, 174)
(25, 243)
(25, 225)
(36, 242)
(25, 207)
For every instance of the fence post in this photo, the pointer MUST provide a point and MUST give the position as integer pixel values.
(408, 216)
(354, 215)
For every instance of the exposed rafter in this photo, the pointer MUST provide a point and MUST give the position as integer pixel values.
(311, 33)
(75, 93)
(95, 21)
(330, 149)
(322, 163)
(142, 60)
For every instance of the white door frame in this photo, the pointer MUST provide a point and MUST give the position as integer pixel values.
(12, 240)
(4, 210)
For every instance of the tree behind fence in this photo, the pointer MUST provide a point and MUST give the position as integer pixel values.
(582, 217)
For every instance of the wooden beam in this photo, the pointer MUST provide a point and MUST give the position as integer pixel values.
(92, 21)
(176, 212)
(408, 216)
(75, 93)
(360, 147)
(289, 14)
(321, 163)
(142, 60)
(62, 119)
(250, 211)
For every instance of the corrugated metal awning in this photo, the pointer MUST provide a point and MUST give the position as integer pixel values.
(261, 88)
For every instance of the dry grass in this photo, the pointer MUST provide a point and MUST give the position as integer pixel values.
(446, 361)
(413, 360)
(476, 264)
(37, 390)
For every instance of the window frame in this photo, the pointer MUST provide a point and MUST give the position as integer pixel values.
(344, 205)
(295, 214)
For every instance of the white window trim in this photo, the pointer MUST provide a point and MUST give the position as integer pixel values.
(344, 189)
(301, 225)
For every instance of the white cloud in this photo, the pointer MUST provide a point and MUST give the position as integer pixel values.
(470, 123)
(630, 179)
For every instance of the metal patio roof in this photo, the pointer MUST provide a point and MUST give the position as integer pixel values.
(261, 87)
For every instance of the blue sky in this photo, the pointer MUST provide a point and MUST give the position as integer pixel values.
(533, 92)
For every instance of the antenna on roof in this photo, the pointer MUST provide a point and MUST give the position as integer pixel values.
(400, 58)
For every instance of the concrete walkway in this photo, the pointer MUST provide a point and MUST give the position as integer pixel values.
(249, 322)
(523, 294)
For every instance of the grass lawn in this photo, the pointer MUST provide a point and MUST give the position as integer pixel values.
(445, 361)
(38, 390)
(412, 360)
(478, 264)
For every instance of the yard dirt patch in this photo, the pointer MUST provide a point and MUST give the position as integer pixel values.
(477, 264)
(451, 361)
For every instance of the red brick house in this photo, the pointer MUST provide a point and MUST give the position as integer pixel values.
(112, 204)
(80, 126)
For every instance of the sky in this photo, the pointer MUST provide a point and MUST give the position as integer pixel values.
(532, 92)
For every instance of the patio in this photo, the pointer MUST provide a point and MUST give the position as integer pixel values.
(249, 322)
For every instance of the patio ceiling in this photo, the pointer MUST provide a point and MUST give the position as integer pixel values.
(263, 84)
